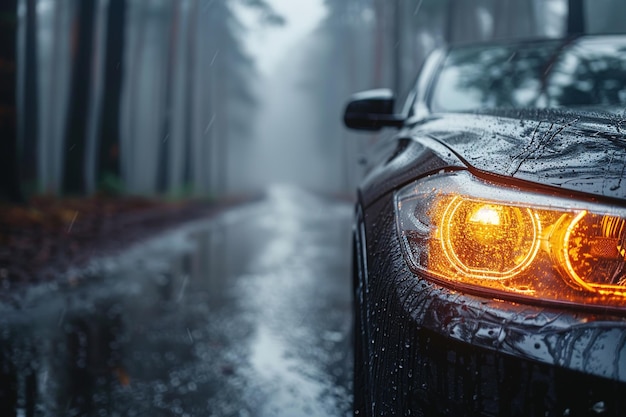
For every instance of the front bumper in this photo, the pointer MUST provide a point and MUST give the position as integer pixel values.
(429, 350)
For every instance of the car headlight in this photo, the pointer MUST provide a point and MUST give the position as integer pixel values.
(477, 235)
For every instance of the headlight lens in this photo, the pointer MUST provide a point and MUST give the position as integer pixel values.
(466, 232)
(486, 240)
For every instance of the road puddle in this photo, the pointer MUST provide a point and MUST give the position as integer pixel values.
(244, 314)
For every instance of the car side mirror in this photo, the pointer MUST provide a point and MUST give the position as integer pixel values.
(372, 110)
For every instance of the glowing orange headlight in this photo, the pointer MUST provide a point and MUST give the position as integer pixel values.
(592, 253)
(466, 232)
(486, 240)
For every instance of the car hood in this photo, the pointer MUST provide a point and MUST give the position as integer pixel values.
(582, 151)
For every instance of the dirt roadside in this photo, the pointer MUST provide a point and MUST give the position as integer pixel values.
(45, 238)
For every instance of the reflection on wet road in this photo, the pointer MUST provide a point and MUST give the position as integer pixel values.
(247, 314)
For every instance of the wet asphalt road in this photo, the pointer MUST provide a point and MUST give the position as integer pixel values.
(246, 314)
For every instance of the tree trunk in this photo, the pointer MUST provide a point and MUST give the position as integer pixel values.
(9, 178)
(96, 97)
(379, 43)
(177, 111)
(576, 17)
(449, 27)
(398, 47)
(55, 79)
(73, 178)
(463, 24)
(189, 93)
(514, 19)
(27, 111)
(109, 152)
(165, 169)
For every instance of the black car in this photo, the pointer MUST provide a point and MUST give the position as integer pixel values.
(490, 238)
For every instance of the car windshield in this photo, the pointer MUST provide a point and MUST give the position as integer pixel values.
(584, 72)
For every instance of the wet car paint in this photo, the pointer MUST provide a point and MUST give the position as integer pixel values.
(571, 151)
(247, 314)
(429, 350)
(575, 151)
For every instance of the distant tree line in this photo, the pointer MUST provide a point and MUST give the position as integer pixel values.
(152, 96)
(132, 96)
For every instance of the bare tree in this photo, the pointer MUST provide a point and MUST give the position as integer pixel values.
(109, 137)
(575, 17)
(514, 19)
(76, 127)
(9, 178)
(54, 67)
(96, 94)
(27, 104)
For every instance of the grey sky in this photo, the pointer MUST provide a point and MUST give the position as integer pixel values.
(269, 44)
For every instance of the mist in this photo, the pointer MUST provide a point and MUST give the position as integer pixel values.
(211, 98)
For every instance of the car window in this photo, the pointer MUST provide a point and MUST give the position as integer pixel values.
(590, 72)
(496, 76)
(541, 74)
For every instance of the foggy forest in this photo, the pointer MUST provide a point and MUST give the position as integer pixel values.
(177, 217)
(157, 97)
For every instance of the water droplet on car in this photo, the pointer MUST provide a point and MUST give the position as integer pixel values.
(599, 407)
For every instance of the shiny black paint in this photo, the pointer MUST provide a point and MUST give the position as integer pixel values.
(424, 349)
(574, 151)
(569, 153)
(372, 110)
(410, 159)
(429, 350)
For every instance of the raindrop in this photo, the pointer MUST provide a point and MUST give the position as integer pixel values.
(214, 57)
(206, 130)
(69, 228)
(599, 407)
(417, 9)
